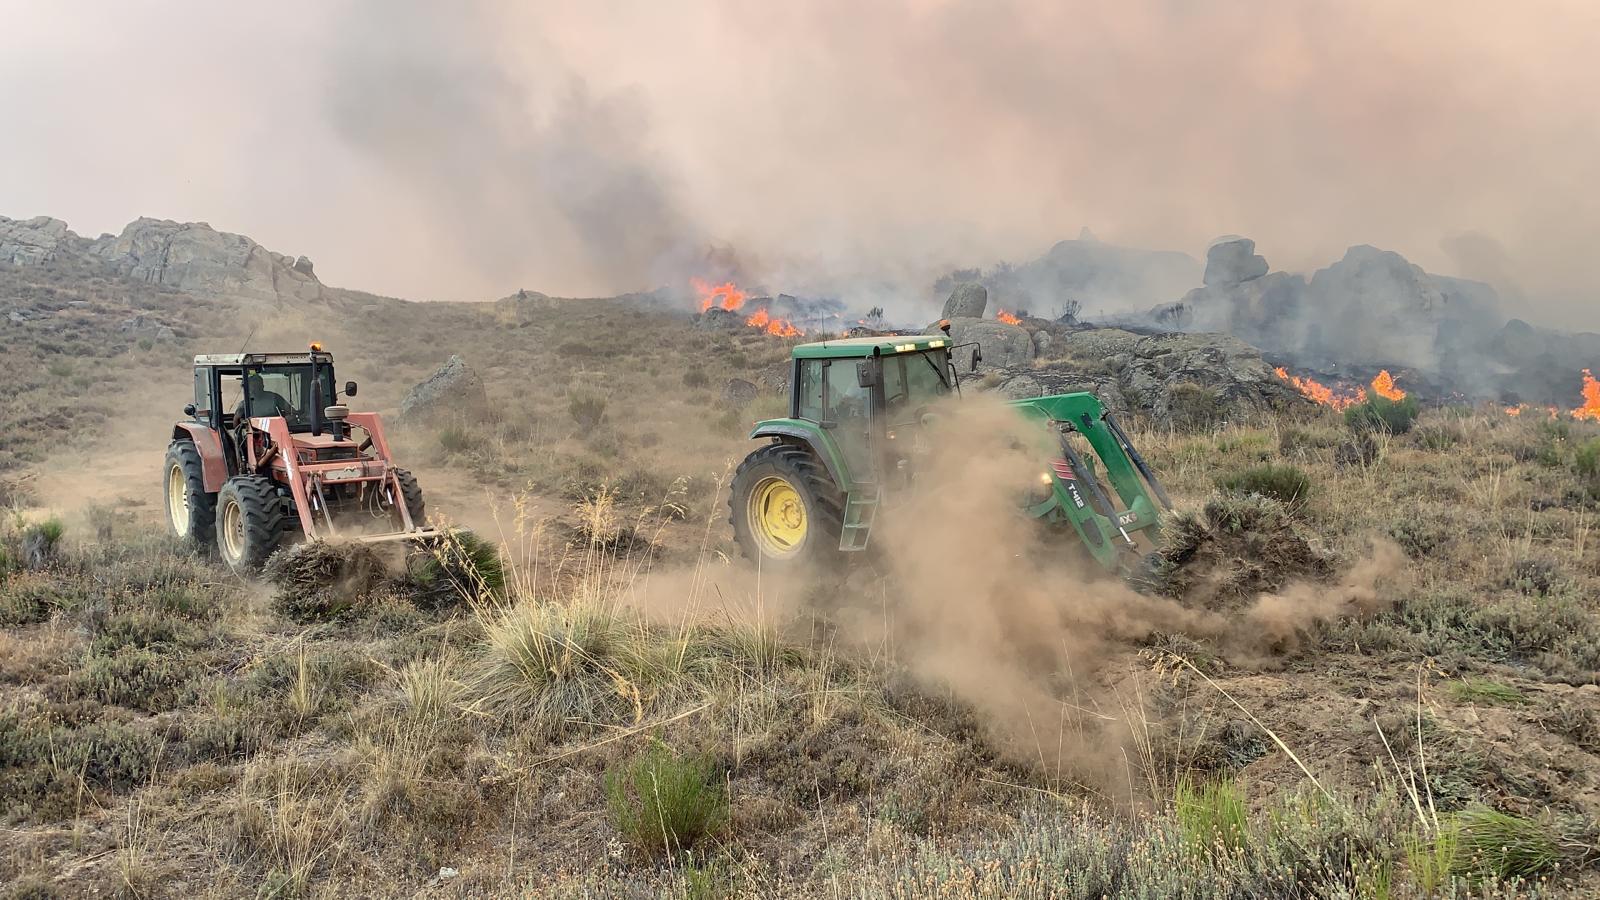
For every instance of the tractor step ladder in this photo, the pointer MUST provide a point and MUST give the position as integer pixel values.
(859, 511)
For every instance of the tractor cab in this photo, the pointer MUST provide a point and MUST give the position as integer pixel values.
(873, 396)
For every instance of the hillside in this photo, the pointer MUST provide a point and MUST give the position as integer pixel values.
(1369, 669)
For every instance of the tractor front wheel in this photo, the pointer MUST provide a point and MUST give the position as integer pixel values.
(411, 492)
(785, 508)
(250, 522)
(191, 512)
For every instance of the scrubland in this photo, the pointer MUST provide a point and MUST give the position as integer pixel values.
(1388, 688)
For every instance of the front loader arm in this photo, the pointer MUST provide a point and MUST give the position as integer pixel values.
(1077, 491)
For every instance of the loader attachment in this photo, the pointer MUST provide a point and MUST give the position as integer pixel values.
(1108, 520)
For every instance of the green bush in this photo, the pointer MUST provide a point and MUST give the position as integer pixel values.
(1382, 414)
(666, 805)
(1289, 484)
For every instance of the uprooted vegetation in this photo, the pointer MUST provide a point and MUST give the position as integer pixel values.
(544, 729)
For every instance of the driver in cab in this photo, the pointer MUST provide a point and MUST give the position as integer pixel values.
(262, 401)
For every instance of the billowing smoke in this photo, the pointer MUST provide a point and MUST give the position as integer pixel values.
(461, 151)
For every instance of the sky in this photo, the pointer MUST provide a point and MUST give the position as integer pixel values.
(463, 151)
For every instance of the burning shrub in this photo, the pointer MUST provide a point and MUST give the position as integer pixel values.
(1289, 484)
(320, 581)
(1379, 413)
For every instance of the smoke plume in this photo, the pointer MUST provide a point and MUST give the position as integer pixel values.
(462, 151)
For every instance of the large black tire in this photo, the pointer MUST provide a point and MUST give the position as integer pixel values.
(191, 512)
(758, 480)
(413, 495)
(250, 522)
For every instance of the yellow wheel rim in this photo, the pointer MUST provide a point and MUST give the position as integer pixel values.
(777, 517)
(232, 531)
(178, 500)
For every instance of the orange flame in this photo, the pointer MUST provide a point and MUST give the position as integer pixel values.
(779, 327)
(1513, 411)
(1321, 393)
(723, 296)
(1006, 317)
(1384, 387)
(1591, 399)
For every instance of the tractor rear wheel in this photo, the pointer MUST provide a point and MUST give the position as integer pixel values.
(786, 510)
(250, 522)
(412, 493)
(191, 512)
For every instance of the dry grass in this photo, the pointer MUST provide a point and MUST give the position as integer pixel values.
(148, 696)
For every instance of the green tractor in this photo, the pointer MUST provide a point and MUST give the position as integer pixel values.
(858, 420)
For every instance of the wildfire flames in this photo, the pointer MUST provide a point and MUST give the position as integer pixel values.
(1591, 399)
(1384, 387)
(728, 296)
(1006, 317)
(780, 327)
(1321, 393)
(723, 296)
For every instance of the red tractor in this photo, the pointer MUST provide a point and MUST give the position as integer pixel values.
(269, 454)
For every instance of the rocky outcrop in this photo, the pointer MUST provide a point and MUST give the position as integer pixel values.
(1085, 271)
(454, 392)
(1371, 308)
(1232, 260)
(1004, 346)
(1181, 379)
(967, 301)
(197, 258)
(523, 308)
(29, 242)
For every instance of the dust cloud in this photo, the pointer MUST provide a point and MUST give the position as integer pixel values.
(462, 151)
(1028, 630)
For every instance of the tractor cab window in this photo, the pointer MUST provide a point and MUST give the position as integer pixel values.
(809, 392)
(202, 393)
(912, 381)
(287, 391)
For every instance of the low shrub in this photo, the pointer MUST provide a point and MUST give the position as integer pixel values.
(587, 409)
(664, 804)
(459, 567)
(696, 378)
(135, 678)
(1286, 483)
(1382, 414)
(1193, 407)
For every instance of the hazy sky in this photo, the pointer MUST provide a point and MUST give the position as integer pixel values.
(460, 151)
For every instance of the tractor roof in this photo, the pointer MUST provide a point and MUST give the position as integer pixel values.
(261, 359)
(882, 345)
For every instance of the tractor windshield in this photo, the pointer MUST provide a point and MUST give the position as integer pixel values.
(912, 381)
(287, 391)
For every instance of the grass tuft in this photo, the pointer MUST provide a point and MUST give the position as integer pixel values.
(665, 804)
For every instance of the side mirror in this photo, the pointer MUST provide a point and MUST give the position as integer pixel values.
(349, 388)
(865, 376)
(189, 410)
(977, 357)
